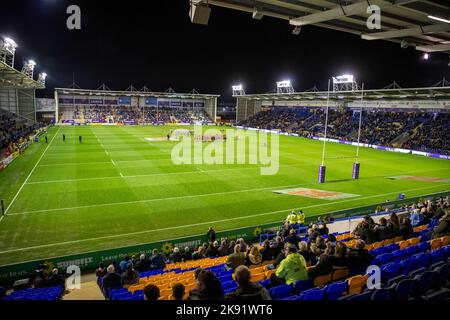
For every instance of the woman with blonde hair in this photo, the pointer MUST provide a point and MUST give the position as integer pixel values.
(253, 257)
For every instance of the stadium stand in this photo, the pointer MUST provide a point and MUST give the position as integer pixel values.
(414, 130)
(413, 266)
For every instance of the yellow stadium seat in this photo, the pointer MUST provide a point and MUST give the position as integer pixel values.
(321, 281)
(258, 277)
(435, 244)
(132, 289)
(398, 239)
(256, 269)
(369, 247)
(269, 273)
(414, 241)
(377, 245)
(356, 284)
(388, 242)
(445, 241)
(340, 274)
(403, 244)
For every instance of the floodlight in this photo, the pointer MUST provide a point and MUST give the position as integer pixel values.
(439, 19)
(297, 30)
(258, 13)
(10, 43)
(284, 84)
(426, 56)
(345, 78)
(31, 63)
(42, 75)
(238, 88)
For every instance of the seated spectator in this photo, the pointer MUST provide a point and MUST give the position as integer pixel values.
(291, 269)
(365, 231)
(124, 264)
(208, 287)
(340, 259)
(111, 281)
(304, 251)
(393, 219)
(130, 276)
(213, 250)
(223, 249)
(41, 281)
(101, 270)
(231, 247)
(406, 230)
(56, 279)
(324, 265)
(383, 230)
(243, 245)
(158, 260)
(199, 254)
(236, 259)
(278, 246)
(267, 251)
(246, 289)
(176, 256)
(178, 291)
(359, 258)
(286, 230)
(443, 227)
(151, 292)
(416, 217)
(323, 230)
(293, 238)
(143, 264)
(187, 256)
(253, 257)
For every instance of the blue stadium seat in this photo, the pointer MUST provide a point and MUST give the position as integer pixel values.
(424, 247)
(385, 258)
(365, 296)
(399, 255)
(314, 294)
(423, 260)
(281, 291)
(404, 289)
(390, 271)
(265, 283)
(439, 295)
(384, 294)
(412, 250)
(301, 286)
(438, 255)
(426, 281)
(408, 266)
(392, 247)
(229, 285)
(396, 279)
(336, 290)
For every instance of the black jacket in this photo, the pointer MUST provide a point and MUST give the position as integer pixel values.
(252, 292)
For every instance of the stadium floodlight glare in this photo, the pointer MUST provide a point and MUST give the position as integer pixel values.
(439, 19)
(42, 77)
(31, 64)
(345, 78)
(10, 45)
(284, 84)
(426, 56)
(238, 90)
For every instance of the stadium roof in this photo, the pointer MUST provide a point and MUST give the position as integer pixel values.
(11, 78)
(136, 93)
(376, 94)
(423, 24)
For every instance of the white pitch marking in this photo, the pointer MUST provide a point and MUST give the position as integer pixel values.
(31, 172)
(197, 224)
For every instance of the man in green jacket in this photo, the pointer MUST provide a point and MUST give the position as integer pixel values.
(293, 268)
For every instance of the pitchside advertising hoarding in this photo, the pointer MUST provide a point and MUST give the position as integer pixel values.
(91, 260)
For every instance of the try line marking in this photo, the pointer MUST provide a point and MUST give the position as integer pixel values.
(201, 223)
(31, 172)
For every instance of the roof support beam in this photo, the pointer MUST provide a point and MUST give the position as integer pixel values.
(408, 32)
(435, 48)
(336, 13)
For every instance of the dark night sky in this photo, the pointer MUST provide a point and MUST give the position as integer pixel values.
(153, 43)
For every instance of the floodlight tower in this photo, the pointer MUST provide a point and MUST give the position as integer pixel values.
(28, 68)
(238, 90)
(42, 77)
(7, 51)
(285, 87)
(346, 82)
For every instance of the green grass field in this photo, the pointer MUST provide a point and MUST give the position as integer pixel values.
(118, 189)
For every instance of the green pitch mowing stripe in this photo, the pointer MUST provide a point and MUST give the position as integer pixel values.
(118, 189)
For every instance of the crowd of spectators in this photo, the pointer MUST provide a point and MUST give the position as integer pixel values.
(293, 258)
(14, 132)
(423, 131)
(117, 114)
